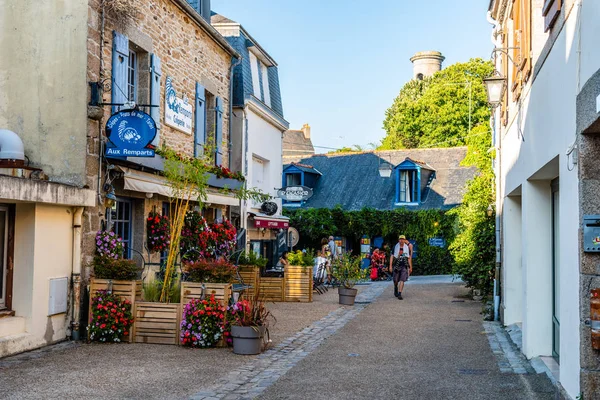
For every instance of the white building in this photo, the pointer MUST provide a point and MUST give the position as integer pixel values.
(256, 137)
(547, 180)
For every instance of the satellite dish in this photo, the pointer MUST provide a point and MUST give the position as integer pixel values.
(293, 237)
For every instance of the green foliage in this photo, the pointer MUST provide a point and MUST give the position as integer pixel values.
(348, 271)
(434, 112)
(305, 259)
(315, 224)
(153, 289)
(209, 271)
(120, 269)
(252, 259)
(474, 246)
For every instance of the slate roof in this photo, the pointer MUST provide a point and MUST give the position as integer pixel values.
(352, 180)
(296, 146)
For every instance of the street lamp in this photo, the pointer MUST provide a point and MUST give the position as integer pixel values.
(490, 210)
(494, 87)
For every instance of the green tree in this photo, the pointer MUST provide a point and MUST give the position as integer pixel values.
(436, 111)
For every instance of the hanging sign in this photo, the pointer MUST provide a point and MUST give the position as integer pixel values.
(265, 223)
(129, 133)
(178, 112)
(295, 193)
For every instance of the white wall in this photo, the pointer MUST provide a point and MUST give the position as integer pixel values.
(265, 141)
(538, 134)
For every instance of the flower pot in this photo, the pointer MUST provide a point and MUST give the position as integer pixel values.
(247, 339)
(347, 296)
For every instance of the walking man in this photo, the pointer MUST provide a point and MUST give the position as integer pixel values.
(332, 248)
(401, 264)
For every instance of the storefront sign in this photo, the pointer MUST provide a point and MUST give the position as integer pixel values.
(178, 112)
(129, 133)
(261, 223)
(295, 193)
(437, 242)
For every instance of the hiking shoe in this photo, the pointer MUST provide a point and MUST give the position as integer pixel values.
(400, 297)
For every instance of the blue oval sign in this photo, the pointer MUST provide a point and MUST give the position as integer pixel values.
(130, 132)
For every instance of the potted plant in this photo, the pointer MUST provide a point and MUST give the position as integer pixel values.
(202, 323)
(298, 276)
(348, 272)
(206, 277)
(111, 318)
(249, 323)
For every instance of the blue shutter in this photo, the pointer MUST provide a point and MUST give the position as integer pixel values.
(155, 72)
(195, 4)
(219, 130)
(199, 120)
(120, 61)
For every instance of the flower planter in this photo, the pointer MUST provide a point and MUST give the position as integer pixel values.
(192, 290)
(272, 289)
(298, 284)
(126, 290)
(347, 296)
(247, 339)
(156, 323)
(228, 183)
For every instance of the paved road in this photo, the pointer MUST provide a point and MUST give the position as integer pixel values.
(428, 346)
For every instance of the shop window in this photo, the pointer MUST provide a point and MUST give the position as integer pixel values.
(120, 220)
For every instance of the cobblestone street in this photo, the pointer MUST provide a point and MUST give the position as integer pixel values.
(430, 345)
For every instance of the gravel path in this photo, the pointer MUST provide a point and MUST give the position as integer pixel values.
(431, 345)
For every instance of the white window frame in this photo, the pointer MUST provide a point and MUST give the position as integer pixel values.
(132, 76)
(255, 78)
(265, 82)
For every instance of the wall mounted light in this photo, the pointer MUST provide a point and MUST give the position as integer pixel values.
(495, 85)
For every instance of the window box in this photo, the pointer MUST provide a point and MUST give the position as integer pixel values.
(228, 183)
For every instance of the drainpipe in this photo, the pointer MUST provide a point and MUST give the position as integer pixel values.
(229, 129)
(76, 272)
(498, 176)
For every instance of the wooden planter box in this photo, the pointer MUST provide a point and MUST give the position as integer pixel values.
(131, 290)
(272, 289)
(156, 323)
(251, 277)
(191, 290)
(298, 283)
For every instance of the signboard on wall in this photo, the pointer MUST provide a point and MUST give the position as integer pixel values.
(437, 242)
(269, 224)
(295, 193)
(129, 133)
(178, 112)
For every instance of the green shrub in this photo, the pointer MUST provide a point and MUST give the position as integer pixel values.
(252, 259)
(120, 269)
(348, 271)
(153, 289)
(301, 258)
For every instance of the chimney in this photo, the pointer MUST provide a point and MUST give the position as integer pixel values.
(306, 131)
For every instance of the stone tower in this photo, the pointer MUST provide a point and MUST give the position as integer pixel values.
(426, 63)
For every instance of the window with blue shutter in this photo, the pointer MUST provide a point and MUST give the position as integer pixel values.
(155, 74)
(218, 130)
(199, 120)
(202, 7)
(120, 64)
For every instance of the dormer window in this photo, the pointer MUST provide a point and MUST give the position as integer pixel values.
(296, 174)
(293, 179)
(413, 179)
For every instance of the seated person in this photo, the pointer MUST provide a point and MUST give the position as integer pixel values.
(283, 261)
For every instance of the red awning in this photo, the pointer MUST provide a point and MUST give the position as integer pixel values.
(271, 223)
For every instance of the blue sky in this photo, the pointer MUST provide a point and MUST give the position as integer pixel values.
(342, 62)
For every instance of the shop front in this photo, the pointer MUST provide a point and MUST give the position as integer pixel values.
(267, 237)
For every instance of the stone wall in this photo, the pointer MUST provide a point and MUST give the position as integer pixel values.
(188, 54)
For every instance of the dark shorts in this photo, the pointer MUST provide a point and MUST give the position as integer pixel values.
(400, 270)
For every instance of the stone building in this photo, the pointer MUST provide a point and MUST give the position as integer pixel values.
(546, 139)
(297, 144)
(257, 129)
(58, 181)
